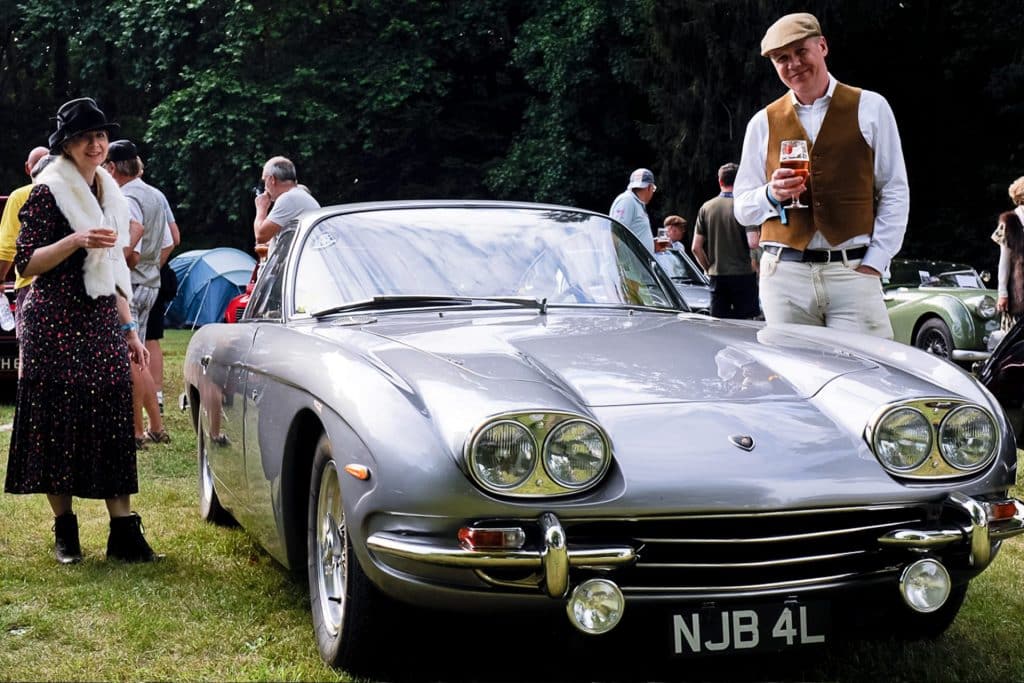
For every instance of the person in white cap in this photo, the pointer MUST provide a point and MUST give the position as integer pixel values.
(822, 264)
(630, 207)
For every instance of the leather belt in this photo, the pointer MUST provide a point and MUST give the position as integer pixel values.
(816, 255)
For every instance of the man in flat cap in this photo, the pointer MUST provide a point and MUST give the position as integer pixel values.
(822, 265)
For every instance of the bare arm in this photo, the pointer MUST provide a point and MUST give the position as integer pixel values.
(698, 251)
(48, 257)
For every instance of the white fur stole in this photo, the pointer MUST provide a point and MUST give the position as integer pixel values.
(103, 276)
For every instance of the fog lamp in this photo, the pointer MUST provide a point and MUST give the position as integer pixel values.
(596, 606)
(925, 585)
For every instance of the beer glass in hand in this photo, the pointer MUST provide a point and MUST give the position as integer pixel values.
(794, 156)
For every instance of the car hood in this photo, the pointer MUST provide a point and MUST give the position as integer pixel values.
(614, 359)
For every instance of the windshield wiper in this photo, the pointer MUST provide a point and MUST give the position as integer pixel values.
(391, 301)
(395, 301)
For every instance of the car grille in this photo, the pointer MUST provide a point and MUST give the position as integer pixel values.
(754, 553)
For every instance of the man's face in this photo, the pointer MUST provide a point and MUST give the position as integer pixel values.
(675, 232)
(270, 185)
(801, 66)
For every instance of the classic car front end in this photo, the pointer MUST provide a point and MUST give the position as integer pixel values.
(521, 433)
(943, 308)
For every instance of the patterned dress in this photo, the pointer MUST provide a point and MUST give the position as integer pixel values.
(73, 431)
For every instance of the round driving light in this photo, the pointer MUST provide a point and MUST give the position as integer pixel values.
(925, 585)
(575, 454)
(903, 439)
(596, 606)
(968, 438)
(503, 455)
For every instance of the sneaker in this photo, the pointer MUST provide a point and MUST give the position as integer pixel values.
(158, 437)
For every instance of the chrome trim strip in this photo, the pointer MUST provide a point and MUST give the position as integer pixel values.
(756, 587)
(748, 565)
(803, 512)
(778, 539)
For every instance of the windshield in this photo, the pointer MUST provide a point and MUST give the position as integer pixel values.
(563, 257)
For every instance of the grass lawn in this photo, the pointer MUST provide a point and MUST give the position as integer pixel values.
(218, 608)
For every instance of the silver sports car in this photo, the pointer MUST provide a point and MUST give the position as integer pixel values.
(500, 407)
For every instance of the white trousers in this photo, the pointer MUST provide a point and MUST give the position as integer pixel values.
(823, 294)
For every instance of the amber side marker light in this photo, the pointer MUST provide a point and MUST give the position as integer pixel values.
(1001, 510)
(511, 538)
(361, 472)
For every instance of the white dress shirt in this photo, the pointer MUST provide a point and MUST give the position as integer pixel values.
(878, 127)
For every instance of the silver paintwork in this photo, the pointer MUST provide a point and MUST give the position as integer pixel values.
(400, 392)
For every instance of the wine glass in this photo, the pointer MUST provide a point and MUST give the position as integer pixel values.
(109, 224)
(794, 156)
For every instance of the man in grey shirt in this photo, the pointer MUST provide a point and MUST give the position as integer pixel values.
(289, 200)
(630, 207)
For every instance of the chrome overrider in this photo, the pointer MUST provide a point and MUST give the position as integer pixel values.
(980, 533)
(556, 556)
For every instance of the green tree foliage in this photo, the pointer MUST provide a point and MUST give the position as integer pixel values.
(548, 100)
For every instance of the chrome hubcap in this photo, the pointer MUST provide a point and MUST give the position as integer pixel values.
(331, 550)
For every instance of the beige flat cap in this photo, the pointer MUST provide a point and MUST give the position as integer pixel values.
(789, 28)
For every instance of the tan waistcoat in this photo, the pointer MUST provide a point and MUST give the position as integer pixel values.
(841, 187)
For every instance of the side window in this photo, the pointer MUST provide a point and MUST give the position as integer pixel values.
(265, 303)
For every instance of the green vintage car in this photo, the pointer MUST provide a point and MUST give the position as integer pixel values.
(941, 307)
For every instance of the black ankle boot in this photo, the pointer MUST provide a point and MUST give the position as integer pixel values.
(66, 547)
(126, 541)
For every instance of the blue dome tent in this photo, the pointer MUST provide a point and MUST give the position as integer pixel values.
(207, 280)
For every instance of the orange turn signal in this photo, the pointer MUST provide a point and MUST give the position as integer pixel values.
(361, 472)
(1002, 510)
(511, 538)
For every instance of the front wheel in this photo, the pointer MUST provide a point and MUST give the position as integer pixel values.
(349, 614)
(934, 337)
(210, 508)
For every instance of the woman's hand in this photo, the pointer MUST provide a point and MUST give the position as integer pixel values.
(96, 238)
(1003, 304)
(137, 350)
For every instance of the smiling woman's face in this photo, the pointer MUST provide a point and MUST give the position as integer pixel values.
(88, 150)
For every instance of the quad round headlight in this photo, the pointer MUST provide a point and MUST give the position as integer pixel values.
(968, 438)
(903, 439)
(503, 455)
(575, 454)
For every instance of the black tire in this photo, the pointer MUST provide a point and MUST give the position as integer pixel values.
(934, 337)
(210, 509)
(350, 616)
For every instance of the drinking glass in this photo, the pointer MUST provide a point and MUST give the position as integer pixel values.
(108, 224)
(794, 156)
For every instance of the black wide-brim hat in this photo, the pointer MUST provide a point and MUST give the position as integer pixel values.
(76, 117)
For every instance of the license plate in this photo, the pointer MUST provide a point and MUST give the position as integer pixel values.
(8, 364)
(713, 629)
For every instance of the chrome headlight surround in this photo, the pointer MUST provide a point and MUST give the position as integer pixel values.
(564, 465)
(939, 462)
(985, 307)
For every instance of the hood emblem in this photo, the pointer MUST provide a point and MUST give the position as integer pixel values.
(742, 441)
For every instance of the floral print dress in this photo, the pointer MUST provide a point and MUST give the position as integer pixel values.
(73, 431)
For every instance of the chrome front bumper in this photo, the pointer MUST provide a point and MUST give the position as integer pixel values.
(555, 557)
(980, 533)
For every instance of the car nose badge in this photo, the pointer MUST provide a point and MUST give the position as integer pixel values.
(742, 441)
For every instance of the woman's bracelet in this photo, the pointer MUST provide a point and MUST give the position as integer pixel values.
(129, 326)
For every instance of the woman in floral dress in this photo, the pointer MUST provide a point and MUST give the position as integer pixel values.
(73, 433)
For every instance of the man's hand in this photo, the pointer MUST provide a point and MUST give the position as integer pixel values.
(263, 202)
(786, 184)
(868, 270)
